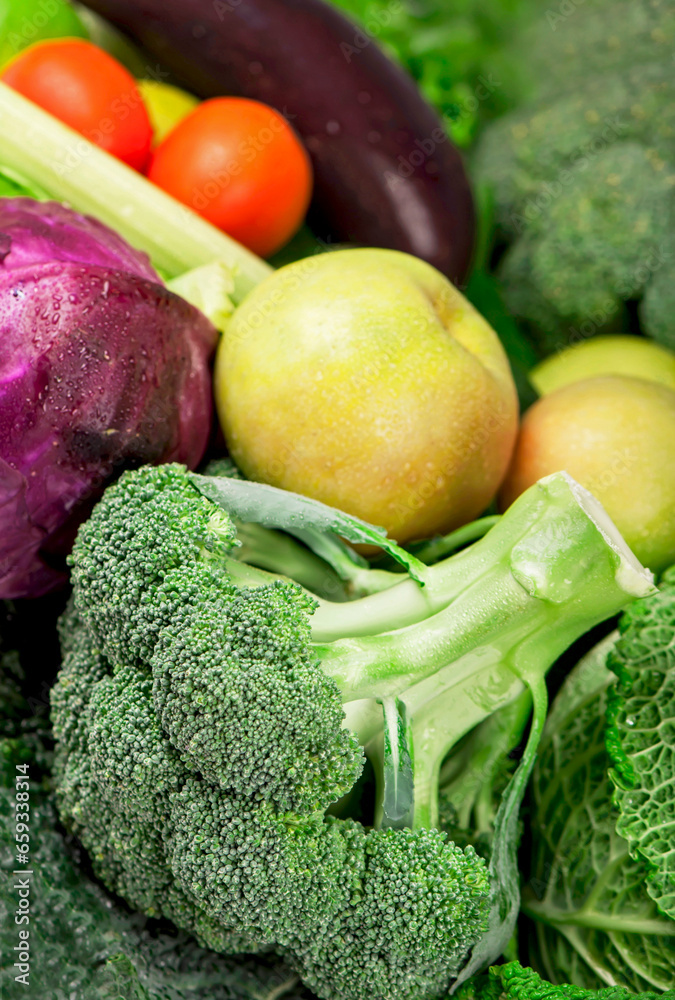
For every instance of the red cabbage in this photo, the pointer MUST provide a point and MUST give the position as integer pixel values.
(101, 368)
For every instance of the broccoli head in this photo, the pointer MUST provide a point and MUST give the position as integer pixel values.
(583, 173)
(85, 945)
(202, 744)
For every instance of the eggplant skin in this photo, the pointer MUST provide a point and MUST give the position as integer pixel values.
(386, 175)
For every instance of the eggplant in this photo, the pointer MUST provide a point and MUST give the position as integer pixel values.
(386, 174)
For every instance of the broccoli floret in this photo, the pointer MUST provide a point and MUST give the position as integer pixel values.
(234, 675)
(154, 526)
(83, 943)
(414, 915)
(583, 172)
(211, 737)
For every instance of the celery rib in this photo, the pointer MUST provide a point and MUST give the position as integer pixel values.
(71, 169)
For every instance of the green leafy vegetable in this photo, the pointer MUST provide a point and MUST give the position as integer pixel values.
(455, 49)
(595, 923)
(641, 738)
(513, 982)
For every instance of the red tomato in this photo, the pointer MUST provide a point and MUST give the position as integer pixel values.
(239, 164)
(88, 90)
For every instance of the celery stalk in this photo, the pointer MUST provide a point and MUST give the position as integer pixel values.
(71, 169)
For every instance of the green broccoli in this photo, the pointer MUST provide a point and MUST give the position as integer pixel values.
(201, 738)
(83, 944)
(583, 173)
(601, 886)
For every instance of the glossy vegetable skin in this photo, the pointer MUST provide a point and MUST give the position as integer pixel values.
(385, 173)
(239, 164)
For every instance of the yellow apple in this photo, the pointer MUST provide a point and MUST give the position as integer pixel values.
(364, 379)
(612, 354)
(616, 436)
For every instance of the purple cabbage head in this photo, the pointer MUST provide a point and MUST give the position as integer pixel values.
(101, 368)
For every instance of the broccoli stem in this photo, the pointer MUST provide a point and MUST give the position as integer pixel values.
(553, 567)
(555, 561)
(329, 570)
(486, 627)
(439, 548)
(360, 579)
(443, 711)
(467, 777)
(279, 554)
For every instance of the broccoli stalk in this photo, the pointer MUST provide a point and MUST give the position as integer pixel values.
(201, 731)
(473, 777)
(488, 622)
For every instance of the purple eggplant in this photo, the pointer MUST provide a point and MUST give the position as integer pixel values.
(385, 172)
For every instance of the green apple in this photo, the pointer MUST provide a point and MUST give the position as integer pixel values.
(616, 436)
(364, 379)
(613, 354)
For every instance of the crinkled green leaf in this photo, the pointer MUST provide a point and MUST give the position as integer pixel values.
(641, 737)
(513, 982)
(594, 923)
